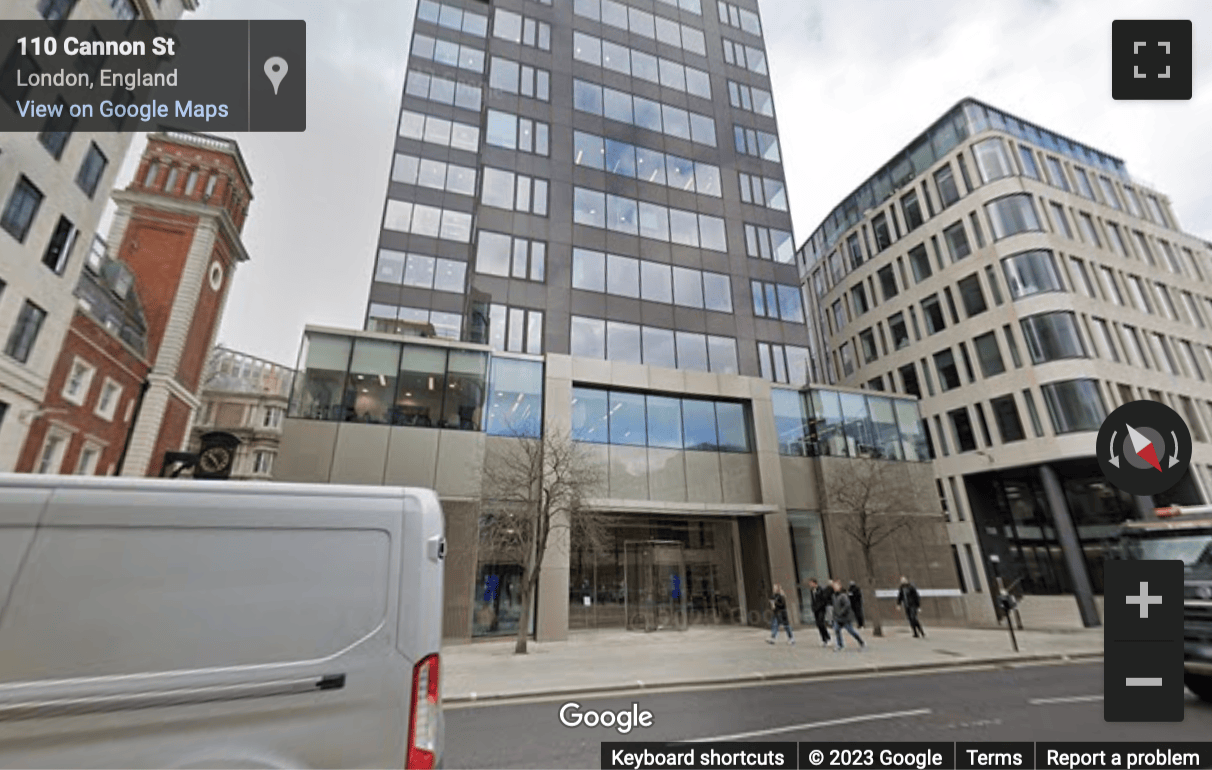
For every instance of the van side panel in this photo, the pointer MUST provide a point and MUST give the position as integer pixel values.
(19, 513)
(201, 625)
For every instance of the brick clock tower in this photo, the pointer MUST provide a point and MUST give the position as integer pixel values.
(178, 227)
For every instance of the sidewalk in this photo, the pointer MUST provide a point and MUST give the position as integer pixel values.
(604, 661)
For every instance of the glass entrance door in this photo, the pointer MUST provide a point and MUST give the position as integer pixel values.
(655, 580)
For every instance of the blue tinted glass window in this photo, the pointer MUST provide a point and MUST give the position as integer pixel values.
(627, 419)
(730, 420)
(790, 422)
(589, 409)
(698, 420)
(664, 422)
(515, 406)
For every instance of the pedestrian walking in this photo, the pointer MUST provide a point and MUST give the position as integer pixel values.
(856, 603)
(843, 617)
(908, 597)
(820, 604)
(778, 603)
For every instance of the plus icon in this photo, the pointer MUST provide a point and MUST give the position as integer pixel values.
(1151, 59)
(1144, 600)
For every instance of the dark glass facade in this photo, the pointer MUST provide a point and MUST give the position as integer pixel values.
(533, 131)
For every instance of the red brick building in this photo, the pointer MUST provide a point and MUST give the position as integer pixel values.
(95, 385)
(173, 248)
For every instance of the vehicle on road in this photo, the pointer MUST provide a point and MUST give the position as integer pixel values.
(1187, 536)
(188, 623)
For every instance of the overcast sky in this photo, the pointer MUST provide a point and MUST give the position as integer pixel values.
(854, 82)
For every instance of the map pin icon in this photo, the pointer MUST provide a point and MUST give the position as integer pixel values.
(275, 70)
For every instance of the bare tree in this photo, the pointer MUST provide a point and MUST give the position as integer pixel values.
(535, 489)
(873, 498)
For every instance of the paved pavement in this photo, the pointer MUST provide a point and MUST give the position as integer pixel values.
(1044, 702)
(606, 661)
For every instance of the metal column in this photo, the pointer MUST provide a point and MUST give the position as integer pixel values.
(1075, 560)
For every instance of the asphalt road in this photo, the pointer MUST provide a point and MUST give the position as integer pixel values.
(1039, 703)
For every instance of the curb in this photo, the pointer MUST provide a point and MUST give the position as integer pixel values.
(805, 676)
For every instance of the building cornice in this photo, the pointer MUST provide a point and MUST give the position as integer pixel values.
(193, 208)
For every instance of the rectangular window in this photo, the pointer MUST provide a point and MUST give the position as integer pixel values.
(991, 159)
(971, 295)
(1089, 234)
(945, 182)
(961, 422)
(23, 204)
(1060, 220)
(913, 211)
(920, 262)
(948, 373)
(1033, 413)
(25, 332)
(57, 129)
(516, 133)
(79, 380)
(989, 355)
(58, 249)
(91, 170)
(932, 312)
(448, 53)
(1056, 173)
(887, 282)
(1104, 334)
(506, 256)
(858, 299)
(1013, 346)
(1005, 416)
(879, 226)
(957, 241)
(900, 334)
(1027, 156)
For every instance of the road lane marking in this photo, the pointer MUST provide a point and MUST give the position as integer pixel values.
(814, 725)
(1070, 699)
(1144, 681)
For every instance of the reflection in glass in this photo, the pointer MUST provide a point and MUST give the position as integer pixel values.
(588, 337)
(658, 347)
(913, 437)
(622, 276)
(320, 390)
(589, 415)
(664, 422)
(466, 373)
(828, 437)
(622, 342)
(692, 351)
(731, 423)
(698, 419)
(887, 437)
(422, 385)
(656, 282)
(627, 419)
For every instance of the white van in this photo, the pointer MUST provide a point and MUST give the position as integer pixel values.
(176, 624)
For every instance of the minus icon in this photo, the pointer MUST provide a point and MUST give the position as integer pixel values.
(1144, 681)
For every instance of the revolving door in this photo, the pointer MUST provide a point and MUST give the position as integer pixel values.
(655, 580)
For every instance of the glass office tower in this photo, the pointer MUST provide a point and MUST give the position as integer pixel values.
(595, 178)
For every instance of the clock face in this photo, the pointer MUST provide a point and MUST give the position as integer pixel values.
(215, 459)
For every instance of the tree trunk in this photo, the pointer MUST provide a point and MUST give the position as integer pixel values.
(872, 608)
(529, 579)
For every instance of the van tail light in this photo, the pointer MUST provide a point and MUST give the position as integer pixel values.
(426, 713)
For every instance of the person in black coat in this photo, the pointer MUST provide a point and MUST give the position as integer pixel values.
(820, 605)
(778, 604)
(856, 603)
(908, 597)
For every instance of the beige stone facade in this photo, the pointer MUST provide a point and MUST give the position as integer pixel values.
(730, 507)
(1024, 285)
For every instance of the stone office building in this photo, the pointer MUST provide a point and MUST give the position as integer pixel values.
(587, 211)
(1023, 285)
(716, 484)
